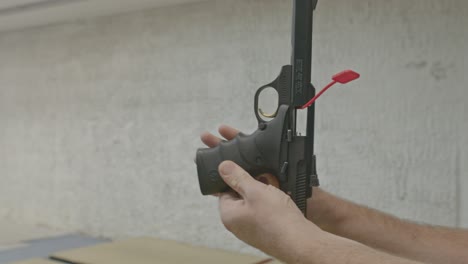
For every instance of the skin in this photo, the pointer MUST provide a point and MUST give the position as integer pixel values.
(266, 218)
(424, 243)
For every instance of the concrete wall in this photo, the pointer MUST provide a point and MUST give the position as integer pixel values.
(100, 118)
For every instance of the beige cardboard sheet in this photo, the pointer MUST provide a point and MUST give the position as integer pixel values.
(153, 251)
(37, 261)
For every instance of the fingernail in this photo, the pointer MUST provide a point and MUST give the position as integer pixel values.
(227, 167)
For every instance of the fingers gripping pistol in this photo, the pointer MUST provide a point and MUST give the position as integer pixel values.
(276, 147)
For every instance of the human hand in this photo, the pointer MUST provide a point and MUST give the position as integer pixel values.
(322, 207)
(262, 215)
(259, 214)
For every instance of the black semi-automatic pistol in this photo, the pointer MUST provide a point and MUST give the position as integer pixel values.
(276, 147)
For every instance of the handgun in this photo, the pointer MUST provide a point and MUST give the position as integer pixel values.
(276, 147)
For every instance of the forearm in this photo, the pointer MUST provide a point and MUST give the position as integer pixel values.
(387, 233)
(326, 248)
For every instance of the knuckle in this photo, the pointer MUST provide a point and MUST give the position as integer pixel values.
(234, 182)
(227, 218)
(271, 188)
(289, 201)
(233, 221)
(243, 176)
(241, 180)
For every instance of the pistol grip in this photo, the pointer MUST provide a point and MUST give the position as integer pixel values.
(242, 150)
(257, 153)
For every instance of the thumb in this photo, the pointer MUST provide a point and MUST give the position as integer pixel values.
(237, 178)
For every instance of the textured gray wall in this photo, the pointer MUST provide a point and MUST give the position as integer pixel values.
(100, 119)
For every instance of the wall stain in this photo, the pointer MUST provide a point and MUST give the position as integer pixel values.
(437, 69)
(440, 72)
(416, 64)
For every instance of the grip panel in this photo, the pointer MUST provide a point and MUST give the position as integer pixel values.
(242, 150)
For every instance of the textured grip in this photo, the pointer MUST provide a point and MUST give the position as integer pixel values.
(257, 153)
(242, 150)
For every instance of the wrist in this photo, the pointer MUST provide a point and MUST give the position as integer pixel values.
(302, 242)
(327, 211)
(311, 249)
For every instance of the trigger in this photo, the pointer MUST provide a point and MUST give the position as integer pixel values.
(268, 115)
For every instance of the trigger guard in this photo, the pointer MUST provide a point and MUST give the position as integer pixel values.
(259, 111)
(282, 85)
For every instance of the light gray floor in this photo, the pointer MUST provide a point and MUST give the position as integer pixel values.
(21, 242)
(12, 233)
(42, 248)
